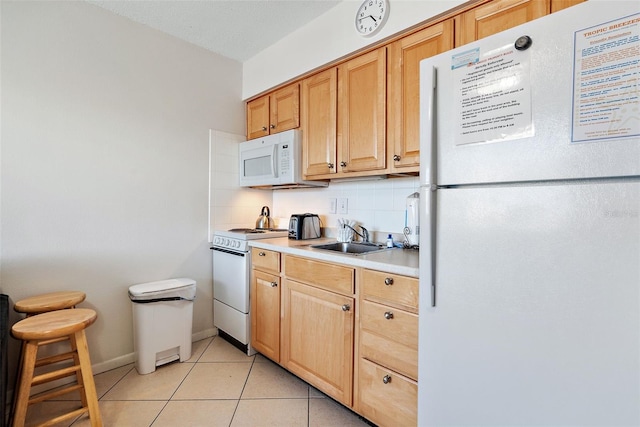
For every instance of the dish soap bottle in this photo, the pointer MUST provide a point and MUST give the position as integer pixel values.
(389, 241)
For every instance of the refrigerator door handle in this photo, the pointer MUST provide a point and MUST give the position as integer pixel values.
(428, 177)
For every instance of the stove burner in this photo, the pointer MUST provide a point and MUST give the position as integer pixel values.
(246, 230)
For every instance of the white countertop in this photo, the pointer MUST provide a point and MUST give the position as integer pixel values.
(396, 260)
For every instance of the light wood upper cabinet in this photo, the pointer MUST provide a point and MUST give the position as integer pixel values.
(557, 5)
(403, 100)
(499, 15)
(275, 112)
(362, 113)
(319, 103)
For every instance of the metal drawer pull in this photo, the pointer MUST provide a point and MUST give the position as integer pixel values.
(274, 284)
(272, 126)
(388, 281)
(261, 254)
(386, 379)
(346, 307)
(264, 128)
(388, 315)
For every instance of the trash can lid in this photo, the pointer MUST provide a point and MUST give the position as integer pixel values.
(180, 288)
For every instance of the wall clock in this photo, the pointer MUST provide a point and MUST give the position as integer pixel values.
(371, 16)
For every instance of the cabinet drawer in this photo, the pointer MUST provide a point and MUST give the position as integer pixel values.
(390, 288)
(386, 398)
(391, 342)
(400, 358)
(332, 277)
(265, 259)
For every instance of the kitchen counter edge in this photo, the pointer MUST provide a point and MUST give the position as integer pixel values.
(396, 260)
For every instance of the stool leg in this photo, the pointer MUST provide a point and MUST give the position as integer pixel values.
(76, 361)
(79, 341)
(21, 399)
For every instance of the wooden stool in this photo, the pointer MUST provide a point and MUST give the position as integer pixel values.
(39, 330)
(49, 302)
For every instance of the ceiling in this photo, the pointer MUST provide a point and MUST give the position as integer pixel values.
(237, 29)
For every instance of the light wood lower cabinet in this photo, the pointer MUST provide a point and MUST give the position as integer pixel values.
(318, 338)
(386, 398)
(350, 332)
(386, 390)
(318, 325)
(265, 303)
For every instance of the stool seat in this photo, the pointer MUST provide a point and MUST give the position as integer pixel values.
(54, 324)
(49, 302)
(46, 329)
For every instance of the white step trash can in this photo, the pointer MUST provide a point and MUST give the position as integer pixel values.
(162, 322)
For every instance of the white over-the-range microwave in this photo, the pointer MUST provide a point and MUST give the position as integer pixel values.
(274, 162)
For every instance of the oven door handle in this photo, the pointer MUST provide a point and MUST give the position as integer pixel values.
(227, 251)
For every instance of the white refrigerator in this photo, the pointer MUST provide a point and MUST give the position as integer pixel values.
(530, 217)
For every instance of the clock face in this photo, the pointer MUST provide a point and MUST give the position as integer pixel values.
(371, 16)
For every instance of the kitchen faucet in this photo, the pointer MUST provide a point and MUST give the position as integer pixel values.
(364, 235)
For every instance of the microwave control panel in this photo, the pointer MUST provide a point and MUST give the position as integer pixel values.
(285, 159)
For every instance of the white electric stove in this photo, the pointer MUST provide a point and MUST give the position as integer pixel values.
(231, 276)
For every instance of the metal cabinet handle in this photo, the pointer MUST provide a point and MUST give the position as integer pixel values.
(330, 165)
(396, 158)
(343, 164)
(388, 281)
(264, 128)
(346, 307)
(388, 315)
(274, 284)
(272, 126)
(386, 379)
(261, 254)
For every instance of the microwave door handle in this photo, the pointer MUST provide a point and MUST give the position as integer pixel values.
(274, 163)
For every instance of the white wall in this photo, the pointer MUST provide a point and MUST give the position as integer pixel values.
(105, 134)
(329, 37)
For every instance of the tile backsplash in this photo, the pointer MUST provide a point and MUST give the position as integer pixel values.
(379, 205)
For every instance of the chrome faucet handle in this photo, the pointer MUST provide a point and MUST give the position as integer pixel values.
(365, 234)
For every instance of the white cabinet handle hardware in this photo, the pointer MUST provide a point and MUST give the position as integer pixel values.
(274, 284)
(388, 315)
(261, 254)
(388, 281)
(386, 379)
(346, 307)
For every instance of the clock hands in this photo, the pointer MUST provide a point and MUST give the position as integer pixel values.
(369, 16)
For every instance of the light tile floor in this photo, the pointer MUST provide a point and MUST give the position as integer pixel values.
(218, 386)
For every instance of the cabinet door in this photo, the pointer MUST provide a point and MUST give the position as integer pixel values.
(557, 5)
(499, 15)
(403, 103)
(362, 112)
(265, 314)
(317, 338)
(258, 117)
(285, 109)
(319, 123)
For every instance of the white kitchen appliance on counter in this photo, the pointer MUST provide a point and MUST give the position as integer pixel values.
(412, 220)
(530, 206)
(231, 276)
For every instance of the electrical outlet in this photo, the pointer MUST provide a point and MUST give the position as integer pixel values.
(343, 205)
(333, 205)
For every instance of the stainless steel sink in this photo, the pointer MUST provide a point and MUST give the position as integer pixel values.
(352, 248)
